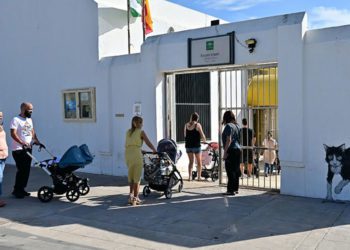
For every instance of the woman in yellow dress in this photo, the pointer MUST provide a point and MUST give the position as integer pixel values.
(133, 157)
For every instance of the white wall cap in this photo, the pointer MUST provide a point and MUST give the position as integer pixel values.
(116, 4)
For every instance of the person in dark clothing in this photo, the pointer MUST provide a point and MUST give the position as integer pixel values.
(193, 134)
(247, 138)
(232, 152)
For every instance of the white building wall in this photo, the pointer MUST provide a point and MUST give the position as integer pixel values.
(113, 24)
(172, 48)
(326, 103)
(53, 46)
(290, 109)
(46, 47)
(133, 81)
(113, 38)
(49, 46)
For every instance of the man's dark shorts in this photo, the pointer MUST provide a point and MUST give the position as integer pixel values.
(247, 156)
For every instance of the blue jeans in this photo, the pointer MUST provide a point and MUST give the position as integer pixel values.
(2, 167)
(193, 150)
(268, 168)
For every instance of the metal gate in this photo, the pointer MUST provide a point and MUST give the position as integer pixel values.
(252, 93)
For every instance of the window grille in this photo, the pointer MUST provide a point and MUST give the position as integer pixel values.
(192, 94)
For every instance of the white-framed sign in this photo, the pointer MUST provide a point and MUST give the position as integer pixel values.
(209, 51)
(137, 109)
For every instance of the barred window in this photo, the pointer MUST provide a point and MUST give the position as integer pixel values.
(192, 94)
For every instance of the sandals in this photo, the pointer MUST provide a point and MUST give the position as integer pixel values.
(136, 201)
(130, 200)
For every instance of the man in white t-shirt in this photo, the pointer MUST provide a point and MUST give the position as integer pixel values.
(23, 136)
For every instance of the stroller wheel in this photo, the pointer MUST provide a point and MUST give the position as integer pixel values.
(168, 193)
(214, 177)
(83, 188)
(194, 175)
(45, 194)
(72, 194)
(146, 191)
(180, 187)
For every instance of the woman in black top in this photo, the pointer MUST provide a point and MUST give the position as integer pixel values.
(232, 152)
(193, 134)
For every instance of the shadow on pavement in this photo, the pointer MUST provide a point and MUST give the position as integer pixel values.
(199, 216)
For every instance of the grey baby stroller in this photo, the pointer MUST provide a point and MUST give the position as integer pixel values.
(160, 169)
(61, 172)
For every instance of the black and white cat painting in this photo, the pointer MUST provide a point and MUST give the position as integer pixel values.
(338, 159)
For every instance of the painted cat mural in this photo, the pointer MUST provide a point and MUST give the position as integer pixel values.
(338, 159)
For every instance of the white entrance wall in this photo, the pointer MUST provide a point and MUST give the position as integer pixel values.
(48, 47)
(326, 100)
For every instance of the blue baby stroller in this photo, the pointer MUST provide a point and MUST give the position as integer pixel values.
(160, 169)
(61, 172)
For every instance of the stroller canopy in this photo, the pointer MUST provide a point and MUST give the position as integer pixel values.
(76, 156)
(169, 146)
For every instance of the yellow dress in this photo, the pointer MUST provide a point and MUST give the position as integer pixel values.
(133, 155)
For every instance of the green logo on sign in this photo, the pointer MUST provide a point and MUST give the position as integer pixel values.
(210, 45)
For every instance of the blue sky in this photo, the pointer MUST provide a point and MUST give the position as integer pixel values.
(321, 13)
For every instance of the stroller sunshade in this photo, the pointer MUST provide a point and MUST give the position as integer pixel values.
(169, 146)
(76, 156)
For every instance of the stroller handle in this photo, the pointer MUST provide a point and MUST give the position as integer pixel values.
(150, 153)
(164, 154)
(41, 146)
(214, 145)
(27, 147)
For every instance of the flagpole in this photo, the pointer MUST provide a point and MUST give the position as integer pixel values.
(143, 21)
(128, 14)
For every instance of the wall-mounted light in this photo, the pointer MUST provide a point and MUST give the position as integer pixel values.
(251, 43)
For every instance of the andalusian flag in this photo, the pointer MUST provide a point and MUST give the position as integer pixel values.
(136, 8)
(148, 18)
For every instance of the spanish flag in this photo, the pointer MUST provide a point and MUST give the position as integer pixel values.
(147, 18)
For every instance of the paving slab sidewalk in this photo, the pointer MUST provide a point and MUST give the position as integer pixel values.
(198, 217)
